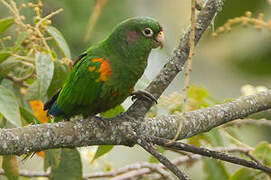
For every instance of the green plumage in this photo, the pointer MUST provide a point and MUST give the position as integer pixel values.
(105, 74)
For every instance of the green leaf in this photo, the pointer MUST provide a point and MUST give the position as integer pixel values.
(215, 137)
(5, 24)
(6, 67)
(51, 158)
(153, 159)
(60, 41)
(248, 174)
(4, 55)
(10, 167)
(113, 112)
(102, 150)
(61, 72)
(69, 167)
(20, 39)
(45, 71)
(9, 107)
(214, 169)
(28, 116)
(263, 153)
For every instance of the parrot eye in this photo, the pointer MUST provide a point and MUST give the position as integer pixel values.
(147, 32)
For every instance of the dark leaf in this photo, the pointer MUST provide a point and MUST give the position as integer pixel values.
(61, 72)
(51, 158)
(69, 167)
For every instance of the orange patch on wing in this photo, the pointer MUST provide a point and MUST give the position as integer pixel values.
(37, 107)
(104, 69)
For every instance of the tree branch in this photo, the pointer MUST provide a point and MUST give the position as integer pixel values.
(172, 167)
(210, 153)
(87, 132)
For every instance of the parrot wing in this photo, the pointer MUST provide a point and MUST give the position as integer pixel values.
(82, 87)
(49, 103)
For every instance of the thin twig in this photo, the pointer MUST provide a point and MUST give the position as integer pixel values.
(210, 153)
(189, 64)
(142, 171)
(173, 168)
(48, 17)
(94, 17)
(258, 122)
(29, 174)
(21, 79)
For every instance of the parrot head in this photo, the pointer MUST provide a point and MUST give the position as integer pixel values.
(138, 34)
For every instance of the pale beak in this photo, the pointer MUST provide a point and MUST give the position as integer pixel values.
(160, 38)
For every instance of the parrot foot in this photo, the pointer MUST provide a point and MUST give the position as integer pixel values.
(143, 94)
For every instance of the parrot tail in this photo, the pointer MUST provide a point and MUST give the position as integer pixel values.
(51, 106)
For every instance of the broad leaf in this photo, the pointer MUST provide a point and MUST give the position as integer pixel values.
(4, 55)
(69, 167)
(51, 158)
(9, 107)
(61, 72)
(60, 41)
(214, 169)
(248, 174)
(263, 153)
(45, 70)
(113, 112)
(10, 167)
(28, 116)
(102, 150)
(215, 137)
(7, 66)
(5, 24)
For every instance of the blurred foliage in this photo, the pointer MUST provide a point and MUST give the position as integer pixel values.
(256, 61)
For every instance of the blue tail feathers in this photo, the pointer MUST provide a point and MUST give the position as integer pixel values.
(54, 110)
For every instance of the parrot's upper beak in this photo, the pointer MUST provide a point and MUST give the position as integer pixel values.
(160, 38)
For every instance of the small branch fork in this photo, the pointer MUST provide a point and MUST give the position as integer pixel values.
(148, 147)
(210, 153)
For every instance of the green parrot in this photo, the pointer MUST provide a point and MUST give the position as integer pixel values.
(105, 74)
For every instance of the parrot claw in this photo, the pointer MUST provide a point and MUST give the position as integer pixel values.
(143, 94)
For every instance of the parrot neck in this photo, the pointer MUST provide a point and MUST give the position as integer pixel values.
(124, 56)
